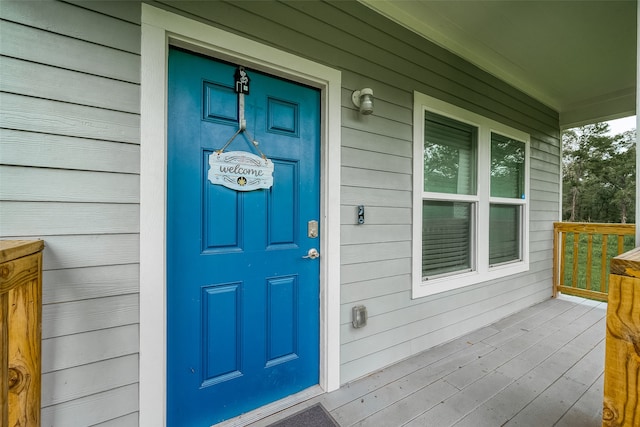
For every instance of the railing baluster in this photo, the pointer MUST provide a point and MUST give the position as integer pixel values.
(620, 244)
(555, 257)
(562, 258)
(603, 270)
(589, 251)
(576, 248)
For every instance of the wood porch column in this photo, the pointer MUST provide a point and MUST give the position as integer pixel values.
(20, 328)
(621, 407)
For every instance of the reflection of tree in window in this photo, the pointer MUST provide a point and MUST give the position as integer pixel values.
(440, 168)
(507, 167)
(449, 156)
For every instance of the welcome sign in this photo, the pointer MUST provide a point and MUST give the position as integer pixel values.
(240, 171)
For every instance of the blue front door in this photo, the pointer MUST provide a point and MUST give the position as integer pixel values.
(242, 302)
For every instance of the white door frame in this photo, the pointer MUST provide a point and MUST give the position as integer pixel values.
(159, 30)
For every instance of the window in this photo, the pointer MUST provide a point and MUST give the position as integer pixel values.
(507, 193)
(470, 198)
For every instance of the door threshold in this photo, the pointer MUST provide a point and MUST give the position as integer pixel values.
(272, 408)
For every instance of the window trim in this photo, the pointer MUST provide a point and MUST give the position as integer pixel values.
(483, 271)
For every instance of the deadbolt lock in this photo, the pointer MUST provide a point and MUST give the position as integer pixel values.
(312, 229)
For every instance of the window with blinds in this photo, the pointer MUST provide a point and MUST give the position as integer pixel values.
(449, 155)
(507, 167)
(470, 201)
(446, 237)
(450, 164)
(507, 182)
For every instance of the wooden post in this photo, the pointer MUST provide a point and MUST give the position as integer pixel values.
(20, 328)
(622, 355)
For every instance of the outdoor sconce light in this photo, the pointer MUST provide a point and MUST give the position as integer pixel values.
(363, 99)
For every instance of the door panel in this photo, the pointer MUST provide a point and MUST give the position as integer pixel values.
(242, 303)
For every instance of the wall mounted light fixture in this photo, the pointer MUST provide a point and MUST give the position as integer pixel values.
(363, 99)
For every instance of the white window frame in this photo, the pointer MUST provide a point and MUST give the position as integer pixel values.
(482, 271)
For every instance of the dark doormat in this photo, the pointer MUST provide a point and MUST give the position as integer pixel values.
(313, 416)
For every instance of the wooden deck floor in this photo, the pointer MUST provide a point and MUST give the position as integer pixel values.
(540, 367)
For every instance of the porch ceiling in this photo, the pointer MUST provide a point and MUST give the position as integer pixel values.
(578, 57)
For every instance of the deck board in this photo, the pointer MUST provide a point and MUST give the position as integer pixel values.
(540, 367)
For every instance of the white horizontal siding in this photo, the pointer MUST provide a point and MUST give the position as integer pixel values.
(69, 351)
(352, 292)
(75, 22)
(353, 177)
(69, 167)
(368, 271)
(364, 159)
(75, 317)
(364, 234)
(380, 279)
(376, 143)
(79, 251)
(92, 409)
(128, 11)
(375, 197)
(60, 185)
(130, 420)
(59, 118)
(360, 253)
(75, 284)
(71, 154)
(379, 215)
(55, 218)
(44, 81)
(21, 148)
(423, 334)
(67, 52)
(69, 384)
